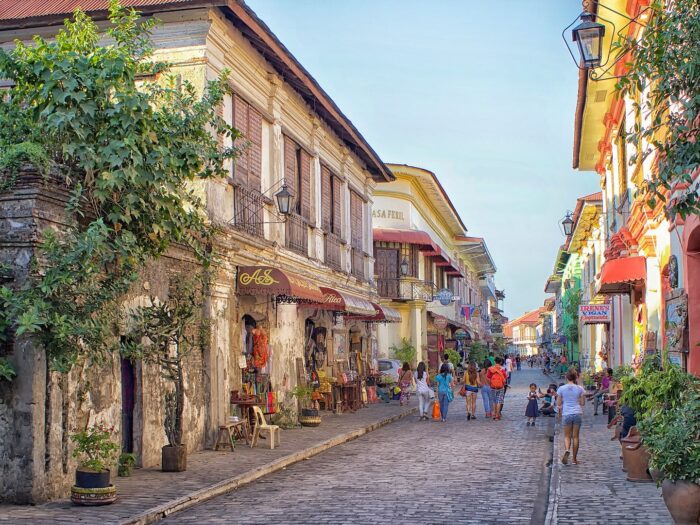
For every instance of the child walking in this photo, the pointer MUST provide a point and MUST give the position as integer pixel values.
(532, 411)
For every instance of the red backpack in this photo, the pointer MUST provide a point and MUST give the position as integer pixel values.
(497, 380)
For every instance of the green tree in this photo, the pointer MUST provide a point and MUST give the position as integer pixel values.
(665, 63)
(405, 352)
(130, 154)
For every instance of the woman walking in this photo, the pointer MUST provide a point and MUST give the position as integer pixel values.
(471, 384)
(570, 399)
(422, 390)
(405, 382)
(485, 388)
(445, 382)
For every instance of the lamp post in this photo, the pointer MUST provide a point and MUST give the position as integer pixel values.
(588, 35)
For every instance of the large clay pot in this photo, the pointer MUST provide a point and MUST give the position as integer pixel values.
(88, 479)
(174, 459)
(309, 417)
(93, 497)
(635, 458)
(683, 501)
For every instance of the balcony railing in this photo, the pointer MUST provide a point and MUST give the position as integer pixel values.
(358, 264)
(248, 210)
(297, 234)
(332, 251)
(405, 289)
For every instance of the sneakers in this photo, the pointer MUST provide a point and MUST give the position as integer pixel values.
(565, 458)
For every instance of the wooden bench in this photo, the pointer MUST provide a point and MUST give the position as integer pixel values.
(228, 432)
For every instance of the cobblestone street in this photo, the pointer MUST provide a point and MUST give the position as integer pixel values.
(461, 471)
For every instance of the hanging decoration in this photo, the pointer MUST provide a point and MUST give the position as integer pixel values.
(260, 350)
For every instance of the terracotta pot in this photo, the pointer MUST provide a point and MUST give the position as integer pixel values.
(635, 458)
(174, 459)
(683, 501)
(87, 479)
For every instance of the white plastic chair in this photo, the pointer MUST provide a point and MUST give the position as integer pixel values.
(260, 425)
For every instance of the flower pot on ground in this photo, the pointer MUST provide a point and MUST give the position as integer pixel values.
(126, 463)
(174, 458)
(308, 417)
(96, 452)
(682, 499)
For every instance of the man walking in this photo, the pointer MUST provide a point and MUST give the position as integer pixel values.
(509, 368)
(496, 376)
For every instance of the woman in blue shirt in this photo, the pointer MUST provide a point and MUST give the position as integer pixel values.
(445, 382)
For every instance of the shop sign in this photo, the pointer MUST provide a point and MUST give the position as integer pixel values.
(460, 334)
(444, 296)
(440, 323)
(594, 313)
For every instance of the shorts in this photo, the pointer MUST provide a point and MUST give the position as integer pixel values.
(470, 394)
(572, 420)
(499, 395)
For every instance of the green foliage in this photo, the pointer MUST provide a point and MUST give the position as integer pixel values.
(666, 401)
(478, 352)
(7, 370)
(131, 157)
(622, 371)
(454, 357)
(405, 352)
(165, 333)
(571, 302)
(12, 157)
(127, 459)
(94, 448)
(302, 393)
(666, 62)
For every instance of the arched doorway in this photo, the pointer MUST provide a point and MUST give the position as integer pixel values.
(692, 285)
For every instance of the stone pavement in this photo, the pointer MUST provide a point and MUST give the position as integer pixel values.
(596, 490)
(419, 472)
(150, 493)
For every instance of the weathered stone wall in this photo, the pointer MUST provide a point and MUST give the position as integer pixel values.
(39, 409)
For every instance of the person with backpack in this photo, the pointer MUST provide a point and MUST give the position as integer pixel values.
(445, 382)
(496, 377)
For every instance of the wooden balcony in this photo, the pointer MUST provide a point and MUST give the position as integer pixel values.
(332, 251)
(297, 234)
(248, 210)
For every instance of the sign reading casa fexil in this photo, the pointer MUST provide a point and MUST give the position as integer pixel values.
(594, 313)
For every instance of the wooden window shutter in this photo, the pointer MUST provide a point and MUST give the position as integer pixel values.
(336, 199)
(255, 149)
(356, 220)
(305, 190)
(240, 122)
(326, 199)
(290, 165)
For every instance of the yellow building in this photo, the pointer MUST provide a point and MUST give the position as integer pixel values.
(426, 268)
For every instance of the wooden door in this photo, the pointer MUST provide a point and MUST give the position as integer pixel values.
(387, 270)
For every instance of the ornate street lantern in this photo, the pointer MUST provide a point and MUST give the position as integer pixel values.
(404, 267)
(284, 200)
(567, 224)
(588, 35)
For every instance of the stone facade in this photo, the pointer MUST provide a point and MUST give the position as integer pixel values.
(40, 409)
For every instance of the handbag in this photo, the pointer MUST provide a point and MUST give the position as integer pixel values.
(450, 395)
(436, 411)
(463, 391)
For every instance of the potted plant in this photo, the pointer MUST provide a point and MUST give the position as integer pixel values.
(672, 437)
(308, 417)
(95, 452)
(165, 333)
(126, 463)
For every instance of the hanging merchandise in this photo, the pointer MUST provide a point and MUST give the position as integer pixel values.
(260, 350)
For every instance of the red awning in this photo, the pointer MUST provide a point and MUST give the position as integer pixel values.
(417, 237)
(338, 301)
(618, 276)
(382, 314)
(264, 280)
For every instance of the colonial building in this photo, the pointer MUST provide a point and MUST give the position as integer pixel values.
(647, 272)
(293, 280)
(525, 331)
(439, 280)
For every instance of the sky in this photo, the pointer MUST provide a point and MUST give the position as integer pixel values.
(482, 93)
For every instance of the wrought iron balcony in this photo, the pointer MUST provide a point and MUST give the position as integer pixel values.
(405, 289)
(297, 234)
(333, 251)
(248, 210)
(358, 264)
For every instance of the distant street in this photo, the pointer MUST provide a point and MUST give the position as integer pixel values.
(409, 472)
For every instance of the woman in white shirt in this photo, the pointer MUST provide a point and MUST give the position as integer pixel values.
(423, 390)
(570, 400)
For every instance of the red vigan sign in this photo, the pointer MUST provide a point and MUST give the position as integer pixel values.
(594, 313)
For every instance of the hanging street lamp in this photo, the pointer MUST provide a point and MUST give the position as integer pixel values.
(568, 224)
(588, 35)
(284, 200)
